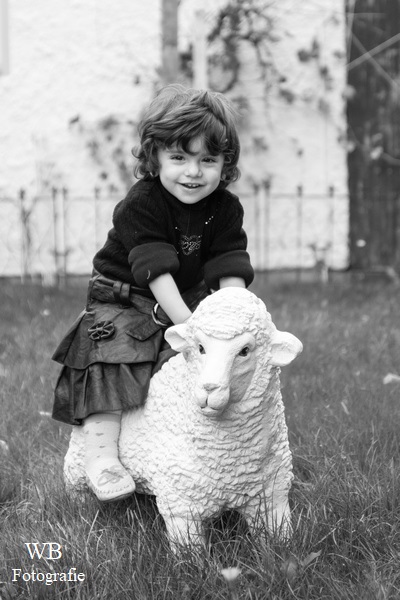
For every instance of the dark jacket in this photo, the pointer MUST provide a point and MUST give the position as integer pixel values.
(154, 233)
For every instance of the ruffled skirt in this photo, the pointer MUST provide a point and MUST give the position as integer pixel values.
(109, 356)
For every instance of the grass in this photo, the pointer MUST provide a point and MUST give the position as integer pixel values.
(343, 423)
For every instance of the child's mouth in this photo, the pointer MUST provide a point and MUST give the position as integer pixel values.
(191, 186)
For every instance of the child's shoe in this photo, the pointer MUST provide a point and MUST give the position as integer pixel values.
(105, 475)
(111, 482)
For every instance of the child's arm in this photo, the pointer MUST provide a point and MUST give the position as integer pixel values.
(168, 296)
(231, 282)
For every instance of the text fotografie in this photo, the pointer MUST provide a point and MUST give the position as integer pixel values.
(47, 578)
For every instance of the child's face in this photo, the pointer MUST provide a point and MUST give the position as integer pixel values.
(190, 177)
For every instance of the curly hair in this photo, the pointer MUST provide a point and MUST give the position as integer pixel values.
(178, 115)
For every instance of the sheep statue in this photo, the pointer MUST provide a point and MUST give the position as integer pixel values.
(212, 435)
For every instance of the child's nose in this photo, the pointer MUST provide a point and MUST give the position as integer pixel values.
(193, 169)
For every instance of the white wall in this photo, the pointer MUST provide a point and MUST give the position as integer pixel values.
(68, 58)
(305, 139)
(73, 63)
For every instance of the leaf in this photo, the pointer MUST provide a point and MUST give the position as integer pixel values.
(310, 558)
(45, 414)
(230, 574)
(344, 406)
(290, 568)
(391, 378)
(4, 447)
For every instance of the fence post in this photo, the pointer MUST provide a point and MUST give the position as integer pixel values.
(299, 241)
(262, 224)
(267, 222)
(54, 194)
(257, 214)
(331, 237)
(26, 236)
(96, 216)
(64, 273)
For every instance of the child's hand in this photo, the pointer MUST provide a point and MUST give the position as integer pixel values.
(231, 282)
(169, 298)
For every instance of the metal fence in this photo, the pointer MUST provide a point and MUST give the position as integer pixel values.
(56, 235)
(298, 230)
(52, 235)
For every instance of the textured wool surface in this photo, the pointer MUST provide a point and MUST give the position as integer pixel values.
(212, 434)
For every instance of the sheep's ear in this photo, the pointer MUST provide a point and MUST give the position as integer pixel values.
(176, 337)
(284, 348)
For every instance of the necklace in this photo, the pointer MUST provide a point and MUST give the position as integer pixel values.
(189, 243)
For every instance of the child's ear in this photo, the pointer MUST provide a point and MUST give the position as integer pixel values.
(154, 172)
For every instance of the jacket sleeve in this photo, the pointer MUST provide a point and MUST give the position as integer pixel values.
(142, 229)
(228, 256)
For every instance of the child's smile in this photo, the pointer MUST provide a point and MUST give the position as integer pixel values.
(190, 176)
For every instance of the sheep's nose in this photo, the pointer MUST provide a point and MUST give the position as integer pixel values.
(210, 387)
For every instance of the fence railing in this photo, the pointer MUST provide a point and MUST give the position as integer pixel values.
(297, 230)
(52, 235)
(56, 234)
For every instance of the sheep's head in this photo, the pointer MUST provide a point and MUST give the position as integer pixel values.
(229, 337)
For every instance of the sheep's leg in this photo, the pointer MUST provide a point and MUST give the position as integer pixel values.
(281, 521)
(274, 512)
(184, 530)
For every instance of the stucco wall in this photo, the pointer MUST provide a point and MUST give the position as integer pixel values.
(75, 63)
(68, 59)
(293, 133)
(72, 64)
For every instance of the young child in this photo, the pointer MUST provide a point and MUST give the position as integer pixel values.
(176, 237)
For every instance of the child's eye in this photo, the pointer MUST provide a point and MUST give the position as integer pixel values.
(176, 157)
(209, 159)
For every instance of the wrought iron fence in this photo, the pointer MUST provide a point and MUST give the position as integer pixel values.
(52, 235)
(56, 235)
(298, 230)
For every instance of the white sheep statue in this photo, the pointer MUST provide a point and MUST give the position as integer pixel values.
(212, 434)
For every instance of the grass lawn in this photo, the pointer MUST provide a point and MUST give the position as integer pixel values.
(344, 431)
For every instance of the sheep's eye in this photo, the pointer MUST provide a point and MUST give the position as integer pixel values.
(244, 351)
(201, 349)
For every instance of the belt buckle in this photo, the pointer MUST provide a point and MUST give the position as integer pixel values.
(156, 319)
